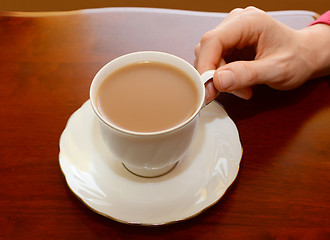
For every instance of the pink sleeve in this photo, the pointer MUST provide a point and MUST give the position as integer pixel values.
(325, 18)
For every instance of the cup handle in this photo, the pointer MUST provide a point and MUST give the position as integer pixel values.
(207, 76)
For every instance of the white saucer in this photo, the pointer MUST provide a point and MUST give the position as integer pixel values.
(107, 188)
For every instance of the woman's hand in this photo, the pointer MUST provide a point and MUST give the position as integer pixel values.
(282, 58)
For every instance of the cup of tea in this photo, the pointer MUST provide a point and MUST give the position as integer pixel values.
(147, 105)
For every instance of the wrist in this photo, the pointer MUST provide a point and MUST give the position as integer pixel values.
(315, 40)
(324, 18)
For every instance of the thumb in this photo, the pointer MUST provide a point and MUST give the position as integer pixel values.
(236, 75)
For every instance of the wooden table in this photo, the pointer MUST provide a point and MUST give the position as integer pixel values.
(47, 62)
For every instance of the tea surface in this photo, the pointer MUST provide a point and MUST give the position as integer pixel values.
(147, 97)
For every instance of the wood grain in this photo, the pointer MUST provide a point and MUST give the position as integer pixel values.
(46, 66)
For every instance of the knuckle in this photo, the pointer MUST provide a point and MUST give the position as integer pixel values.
(207, 36)
(251, 74)
(254, 11)
(236, 10)
(251, 8)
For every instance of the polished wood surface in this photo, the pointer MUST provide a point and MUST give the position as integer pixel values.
(318, 6)
(47, 63)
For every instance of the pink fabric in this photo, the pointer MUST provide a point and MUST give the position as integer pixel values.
(325, 18)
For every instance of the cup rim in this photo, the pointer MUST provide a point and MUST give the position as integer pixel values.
(155, 133)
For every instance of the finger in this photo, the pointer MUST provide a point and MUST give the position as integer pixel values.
(244, 74)
(210, 52)
(197, 49)
(211, 92)
(233, 13)
(240, 11)
(236, 32)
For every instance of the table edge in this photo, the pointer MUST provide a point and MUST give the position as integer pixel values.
(147, 10)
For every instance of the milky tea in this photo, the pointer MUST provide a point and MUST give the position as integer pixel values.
(147, 97)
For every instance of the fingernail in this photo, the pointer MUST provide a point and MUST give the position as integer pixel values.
(209, 91)
(207, 95)
(226, 79)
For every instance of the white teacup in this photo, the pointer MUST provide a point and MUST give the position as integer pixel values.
(150, 154)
